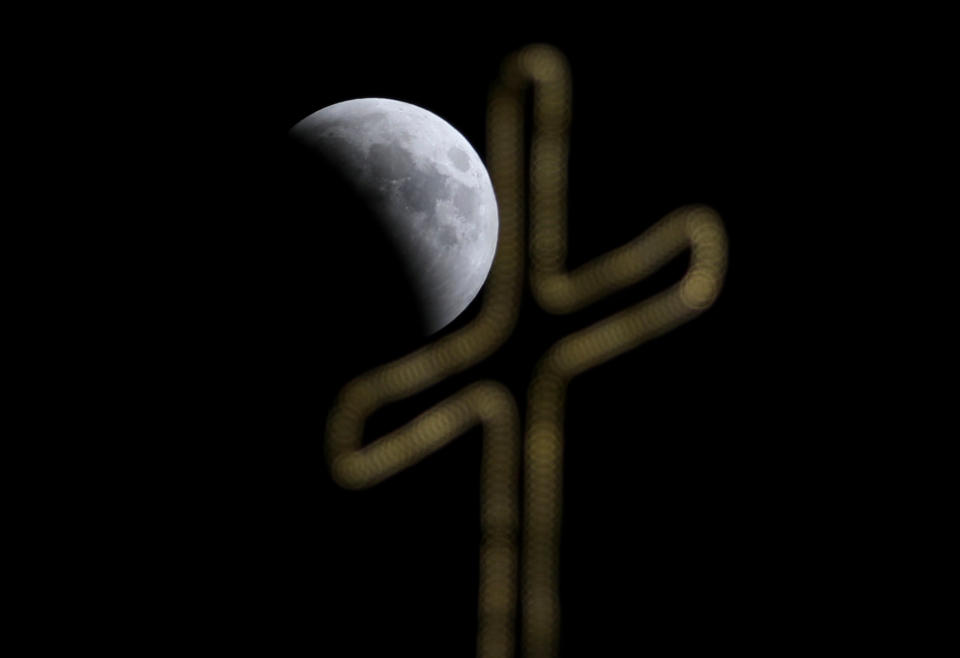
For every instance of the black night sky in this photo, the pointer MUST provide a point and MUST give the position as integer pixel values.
(707, 506)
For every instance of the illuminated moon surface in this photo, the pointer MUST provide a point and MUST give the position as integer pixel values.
(427, 187)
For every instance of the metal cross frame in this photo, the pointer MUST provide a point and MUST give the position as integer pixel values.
(356, 465)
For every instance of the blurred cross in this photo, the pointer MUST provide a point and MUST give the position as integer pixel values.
(490, 404)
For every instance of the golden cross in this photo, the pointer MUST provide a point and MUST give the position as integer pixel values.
(490, 404)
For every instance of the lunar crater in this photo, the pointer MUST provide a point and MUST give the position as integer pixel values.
(460, 159)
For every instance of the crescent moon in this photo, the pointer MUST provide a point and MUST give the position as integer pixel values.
(428, 188)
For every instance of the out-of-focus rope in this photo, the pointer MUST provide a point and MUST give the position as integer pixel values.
(560, 291)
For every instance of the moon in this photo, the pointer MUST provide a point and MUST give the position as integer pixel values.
(427, 187)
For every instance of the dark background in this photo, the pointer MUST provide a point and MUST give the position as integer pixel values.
(713, 496)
